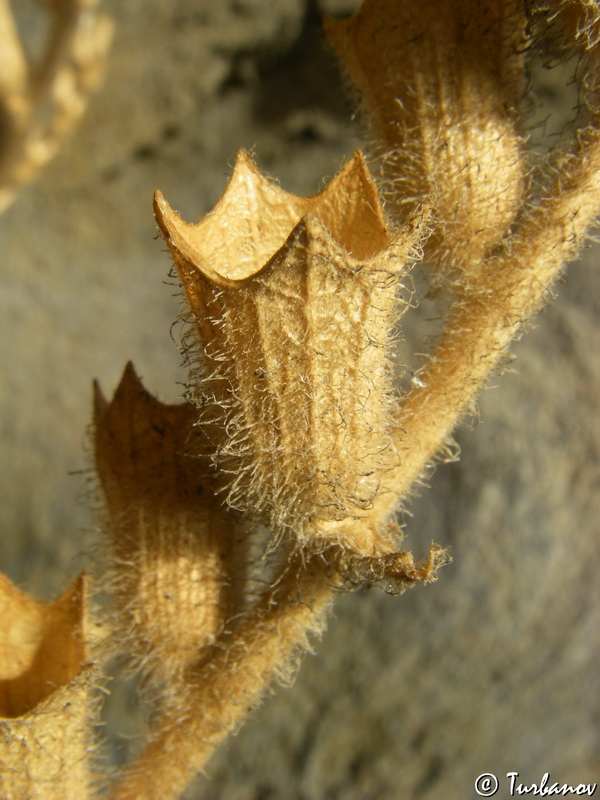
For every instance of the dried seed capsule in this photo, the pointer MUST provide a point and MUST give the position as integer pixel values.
(441, 83)
(176, 562)
(293, 301)
(45, 681)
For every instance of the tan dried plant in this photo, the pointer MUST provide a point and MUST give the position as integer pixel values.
(235, 518)
(45, 695)
(43, 96)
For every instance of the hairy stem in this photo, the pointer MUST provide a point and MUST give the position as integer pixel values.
(216, 696)
(512, 286)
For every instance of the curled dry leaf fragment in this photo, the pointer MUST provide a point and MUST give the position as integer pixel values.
(45, 683)
(394, 572)
(293, 300)
(177, 555)
(440, 84)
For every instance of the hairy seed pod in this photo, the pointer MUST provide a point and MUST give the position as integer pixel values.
(294, 300)
(45, 681)
(441, 82)
(176, 553)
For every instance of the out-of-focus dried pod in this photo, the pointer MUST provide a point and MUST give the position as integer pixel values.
(176, 553)
(440, 83)
(294, 300)
(39, 105)
(45, 682)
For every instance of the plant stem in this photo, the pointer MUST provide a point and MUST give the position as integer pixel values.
(215, 698)
(511, 287)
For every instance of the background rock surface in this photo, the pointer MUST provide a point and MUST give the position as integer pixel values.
(492, 669)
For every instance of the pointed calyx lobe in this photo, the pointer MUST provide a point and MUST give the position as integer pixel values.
(293, 300)
(42, 645)
(45, 679)
(172, 542)
(440, 83)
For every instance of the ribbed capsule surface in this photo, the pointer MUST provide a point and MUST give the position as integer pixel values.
(294, 301)
(441, 85)
(176, 555)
